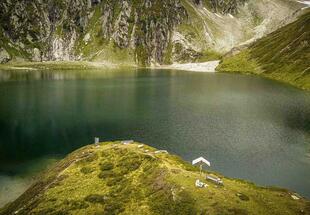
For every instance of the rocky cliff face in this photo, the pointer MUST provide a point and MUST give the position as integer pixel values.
(65, 30)
(29, 29)
(129, 31)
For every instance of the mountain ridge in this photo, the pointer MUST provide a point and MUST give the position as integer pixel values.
(139, 32)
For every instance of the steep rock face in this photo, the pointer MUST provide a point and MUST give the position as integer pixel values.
(139, 31)
(27, 27)
(56, 27)
(142, 26)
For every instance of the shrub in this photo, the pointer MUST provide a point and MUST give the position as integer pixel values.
(90, 158)
(106, 174)
(51, 211)
(75, 205)
(106, 166)
(86, 170)
(162, 203)
(129, 165)
(114, 181)
(243, 197)
(95, 198)
(238, 211)
(113, 208)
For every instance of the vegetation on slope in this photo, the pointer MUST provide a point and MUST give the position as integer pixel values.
(113, 178)
(282, 55)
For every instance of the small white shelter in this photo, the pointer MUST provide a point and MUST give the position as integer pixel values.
(201, 161)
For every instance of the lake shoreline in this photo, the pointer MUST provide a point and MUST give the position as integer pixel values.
(207, 67)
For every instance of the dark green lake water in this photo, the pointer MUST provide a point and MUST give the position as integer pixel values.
(248, 127)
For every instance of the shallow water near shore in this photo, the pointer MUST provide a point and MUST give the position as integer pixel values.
(248, 127)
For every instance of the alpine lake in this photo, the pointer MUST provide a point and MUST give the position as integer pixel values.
(246, 126)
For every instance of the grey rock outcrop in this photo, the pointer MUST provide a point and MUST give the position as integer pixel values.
(52, 30)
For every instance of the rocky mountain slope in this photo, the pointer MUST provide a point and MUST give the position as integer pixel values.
(282, 55)
(113, 178)
(140, 32)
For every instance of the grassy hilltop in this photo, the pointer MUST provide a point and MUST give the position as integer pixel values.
(114, 178)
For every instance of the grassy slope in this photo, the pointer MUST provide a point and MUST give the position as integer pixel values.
(115, 178)
(282, 55)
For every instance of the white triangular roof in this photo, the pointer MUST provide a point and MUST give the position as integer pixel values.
(201, 160)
